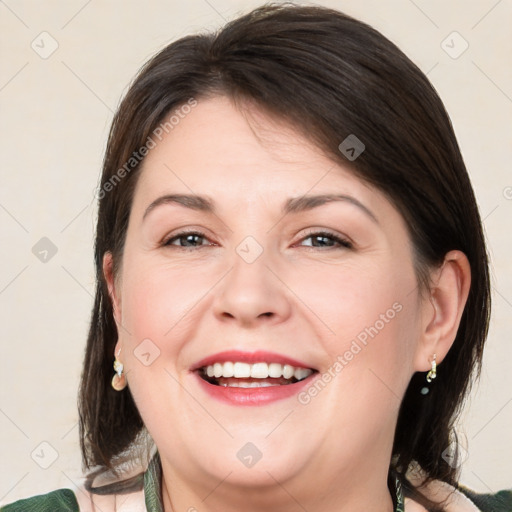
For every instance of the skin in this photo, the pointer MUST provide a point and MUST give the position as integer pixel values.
(300, 298)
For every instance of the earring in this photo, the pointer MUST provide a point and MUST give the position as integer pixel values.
(431, 375)
(119, 379)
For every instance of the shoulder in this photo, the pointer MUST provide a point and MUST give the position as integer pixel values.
(104, 493)
(79, 500)
(497, 502)
(61, 500)
(462, 499)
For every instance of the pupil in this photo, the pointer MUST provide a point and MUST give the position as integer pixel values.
(322, 238)
(189, 239)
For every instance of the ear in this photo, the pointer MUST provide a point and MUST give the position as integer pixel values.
(108, 272)
(442, 310)
(117, 349)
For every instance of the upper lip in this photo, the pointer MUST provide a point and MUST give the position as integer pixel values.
(259, 356)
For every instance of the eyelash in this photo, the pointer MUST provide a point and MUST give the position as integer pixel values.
(344, 243)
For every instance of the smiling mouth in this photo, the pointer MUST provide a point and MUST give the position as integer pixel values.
(257, 375)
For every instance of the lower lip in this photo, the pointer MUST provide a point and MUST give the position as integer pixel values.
(254, 396)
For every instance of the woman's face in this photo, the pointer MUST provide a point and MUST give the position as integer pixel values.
(264, 273)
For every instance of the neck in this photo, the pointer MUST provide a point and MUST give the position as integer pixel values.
(351, 490)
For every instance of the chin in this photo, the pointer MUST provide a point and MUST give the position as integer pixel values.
(262, 473)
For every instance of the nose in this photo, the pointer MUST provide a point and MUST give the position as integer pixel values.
(252, 293)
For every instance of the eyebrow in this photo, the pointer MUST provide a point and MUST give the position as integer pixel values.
(292, 205)
(193, 202)
(302, 203)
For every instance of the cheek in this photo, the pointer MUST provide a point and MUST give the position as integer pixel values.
(370, 317)
(159, 305)
(355, 301)
(159, 299)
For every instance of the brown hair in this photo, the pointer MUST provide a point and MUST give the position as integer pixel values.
(330, 76)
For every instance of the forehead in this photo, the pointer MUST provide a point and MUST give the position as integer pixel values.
(241, 156)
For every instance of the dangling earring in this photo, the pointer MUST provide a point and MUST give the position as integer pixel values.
(431, 375)
(119, 379)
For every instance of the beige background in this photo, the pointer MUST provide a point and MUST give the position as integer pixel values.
(55, 114)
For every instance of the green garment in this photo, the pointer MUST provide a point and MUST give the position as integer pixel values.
(64, 500)
(499, 502)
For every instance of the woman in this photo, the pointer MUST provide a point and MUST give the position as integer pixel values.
(292, 281)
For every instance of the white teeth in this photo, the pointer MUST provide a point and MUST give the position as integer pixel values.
(301, 373)
(256, 371)
(217, 370)
(288, 371)
(259, 370)
(275, 370)
(228, 369)
(243, 384)
(241, 370)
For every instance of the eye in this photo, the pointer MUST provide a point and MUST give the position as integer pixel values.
(189, 239)
(319, 239)
(327, 239)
